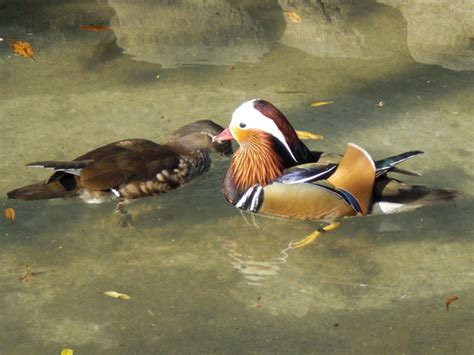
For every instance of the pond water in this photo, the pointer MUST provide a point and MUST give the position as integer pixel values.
(202, 277)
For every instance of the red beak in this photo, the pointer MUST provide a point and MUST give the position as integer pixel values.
(225, 135)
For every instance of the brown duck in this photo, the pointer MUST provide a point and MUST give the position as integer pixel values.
(131, 168)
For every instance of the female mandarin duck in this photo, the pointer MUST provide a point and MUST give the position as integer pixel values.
(274, 173)
(130, 168)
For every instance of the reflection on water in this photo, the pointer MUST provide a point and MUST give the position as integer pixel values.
(254, 270)
(202, 279)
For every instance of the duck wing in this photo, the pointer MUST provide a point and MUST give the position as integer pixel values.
(129, 165)
(302, 193)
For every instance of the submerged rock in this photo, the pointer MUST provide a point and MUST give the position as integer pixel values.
(182, 32)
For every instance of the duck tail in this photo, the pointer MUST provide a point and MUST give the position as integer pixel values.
(40, 191)
(391, 196)
(386, 165)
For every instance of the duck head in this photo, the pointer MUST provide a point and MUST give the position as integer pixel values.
(199, 135)
(268, 145)
(260, 118)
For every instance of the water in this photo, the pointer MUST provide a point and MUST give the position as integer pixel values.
(203, 278)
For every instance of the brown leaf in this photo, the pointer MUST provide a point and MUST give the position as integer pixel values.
(451, 300)
(95, 28)
(22, 48)
(10, 214)
(293, 17)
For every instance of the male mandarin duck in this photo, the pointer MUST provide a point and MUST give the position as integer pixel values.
(274, 173)
(131, 168)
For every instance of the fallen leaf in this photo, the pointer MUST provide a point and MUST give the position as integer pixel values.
(115, 294)
(293, 17)
(308, 135)
(67, 351)
(25, 277)
(10, 214)
(451, 300)
(321, 103)
(380, 104)
(22, 48)
(95, 28)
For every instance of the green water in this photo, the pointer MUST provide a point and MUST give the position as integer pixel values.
(203, 278)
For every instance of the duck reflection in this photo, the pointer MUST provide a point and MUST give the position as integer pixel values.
(255, 267)
(265, 245)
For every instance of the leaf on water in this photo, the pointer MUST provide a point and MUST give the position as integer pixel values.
(451, 300)
(67, 351)
(115, 294)
(293, 17)
(308, 135)
(95, 28)
(22, 48)
(321, 103)
(27, 274)
(10, 214)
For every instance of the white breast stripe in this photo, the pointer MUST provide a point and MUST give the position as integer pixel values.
(243, 200)
(256, 199)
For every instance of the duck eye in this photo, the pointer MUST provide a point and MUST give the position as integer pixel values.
(242, 125)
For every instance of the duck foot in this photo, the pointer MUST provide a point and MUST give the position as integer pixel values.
(125, 218)
(313, 236)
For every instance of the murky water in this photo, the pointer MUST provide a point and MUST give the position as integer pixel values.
(203, 278)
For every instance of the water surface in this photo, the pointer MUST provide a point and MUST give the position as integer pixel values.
(203, 278)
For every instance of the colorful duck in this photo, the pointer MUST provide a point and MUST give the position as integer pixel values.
(274, 173)
(131, 168)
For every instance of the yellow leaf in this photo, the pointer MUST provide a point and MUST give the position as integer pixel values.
(321, 103)
(22, 48)
(10, 214)
(67, 352)
(293, 17)
(115, 294)
(308, 135)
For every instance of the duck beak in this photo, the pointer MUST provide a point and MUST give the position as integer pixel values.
(225, 135)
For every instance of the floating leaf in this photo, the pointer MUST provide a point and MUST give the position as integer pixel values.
(451, 300)
(380, 104)
(321, 103)
(115, 294)
(23, 49)
(10, 214)
(95, 28)
(308, 135)
(67, 351)
(25, 276)
(293, 17)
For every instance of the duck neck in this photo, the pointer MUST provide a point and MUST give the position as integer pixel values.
(255, 162)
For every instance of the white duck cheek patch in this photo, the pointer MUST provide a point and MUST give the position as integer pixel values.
(267, 125)
(253, 119)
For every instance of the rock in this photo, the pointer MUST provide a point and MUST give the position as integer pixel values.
(439, 31)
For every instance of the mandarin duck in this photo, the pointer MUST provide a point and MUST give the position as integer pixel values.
(274, 173)
(131, 168)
